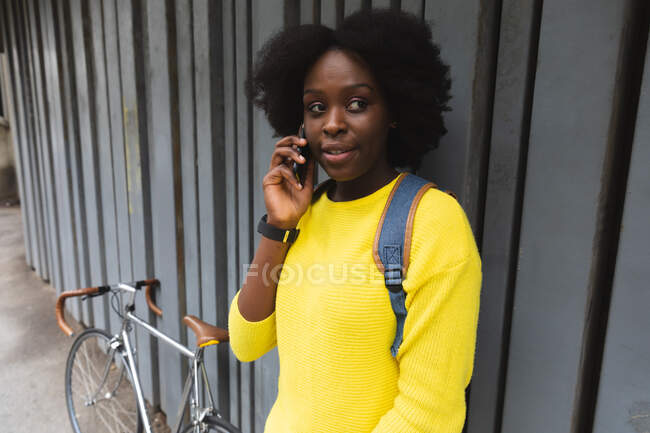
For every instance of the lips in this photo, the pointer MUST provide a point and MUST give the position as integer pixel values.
(338, 155)
(337, 148)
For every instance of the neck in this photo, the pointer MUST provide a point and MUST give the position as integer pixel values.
(363, 185)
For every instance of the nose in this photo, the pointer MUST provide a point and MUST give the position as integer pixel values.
(335, 122)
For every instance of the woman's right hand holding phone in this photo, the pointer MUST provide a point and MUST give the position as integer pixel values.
(285, 198)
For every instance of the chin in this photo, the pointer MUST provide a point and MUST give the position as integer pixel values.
(342, 174)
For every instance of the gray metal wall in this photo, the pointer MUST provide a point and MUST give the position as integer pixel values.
(138, 155)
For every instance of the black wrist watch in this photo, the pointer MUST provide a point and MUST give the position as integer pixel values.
(287, 236)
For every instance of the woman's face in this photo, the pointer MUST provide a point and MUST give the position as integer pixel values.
(344, 111)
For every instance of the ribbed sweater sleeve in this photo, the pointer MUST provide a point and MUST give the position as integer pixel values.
(437, 354)
(250, 340)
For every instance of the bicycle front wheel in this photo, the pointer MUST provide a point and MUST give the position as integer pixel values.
(99, 387)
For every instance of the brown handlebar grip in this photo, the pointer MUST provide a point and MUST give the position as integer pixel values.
(60, 303)
(147, 294)
(150, 282)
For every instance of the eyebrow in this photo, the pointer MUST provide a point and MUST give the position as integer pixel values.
(351, 86)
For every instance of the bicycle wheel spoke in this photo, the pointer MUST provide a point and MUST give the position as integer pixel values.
(116, 404)
(100, 394)
(115, 420)
(89, 375)
(107, 425)
(117, 411)
(86, 377)
(91, 366)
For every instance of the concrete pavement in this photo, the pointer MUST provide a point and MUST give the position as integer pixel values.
(33, 350)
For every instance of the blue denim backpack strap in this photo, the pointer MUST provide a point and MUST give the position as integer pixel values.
(392, 244)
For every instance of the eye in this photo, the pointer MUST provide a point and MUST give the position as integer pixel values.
(316, 107)
(357, 105)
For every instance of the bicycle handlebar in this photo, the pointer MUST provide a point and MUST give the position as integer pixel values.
(147, 294)
(96, 291)
(60, 303)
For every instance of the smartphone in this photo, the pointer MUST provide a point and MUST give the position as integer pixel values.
(300, 170)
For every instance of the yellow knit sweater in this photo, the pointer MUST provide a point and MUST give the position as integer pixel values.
(334, 325)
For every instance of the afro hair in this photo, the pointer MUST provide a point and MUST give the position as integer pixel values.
(399, 51)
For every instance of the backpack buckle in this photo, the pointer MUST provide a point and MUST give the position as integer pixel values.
(393, 277)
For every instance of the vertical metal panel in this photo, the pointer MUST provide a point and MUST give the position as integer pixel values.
(73, 154)
(89, 159)
(416, 7)
(35, 135)
(232, 214)
(219, 157)
(306, 11)
(100, 119)
(187, 134)
(9, 83)
(40, 264)
(61, 215)
(245, 182)
(462, 31)
(574, 87)
(267, 18)
(3, 47)
(56, 153)
(623, 391)
(377, 4)
(19, 129)
(352, 6)
(137, 177)
(24, 27)
(208, 69)
(42, 70)
(116, 121)
(203, 75)
(510, 128)
(44, 144)
(123, 268)
(163, 198)
(328, 13)
(102, 138)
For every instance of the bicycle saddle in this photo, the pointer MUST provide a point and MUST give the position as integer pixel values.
(206, 334)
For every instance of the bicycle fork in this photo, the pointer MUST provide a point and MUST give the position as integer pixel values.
(136, 381)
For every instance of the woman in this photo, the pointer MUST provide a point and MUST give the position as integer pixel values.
(370, 95)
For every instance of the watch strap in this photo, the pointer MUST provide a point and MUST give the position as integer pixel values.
(287, 236)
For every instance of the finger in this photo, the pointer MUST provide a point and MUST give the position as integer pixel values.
(287, 173)
(285, 156)
(290, 140)
(279, 175)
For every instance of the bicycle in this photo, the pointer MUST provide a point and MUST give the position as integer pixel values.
(101, 378)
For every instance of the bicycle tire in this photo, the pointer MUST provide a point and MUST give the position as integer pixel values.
(115, 408)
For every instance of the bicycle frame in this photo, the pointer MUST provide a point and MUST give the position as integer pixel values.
(122, 342)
